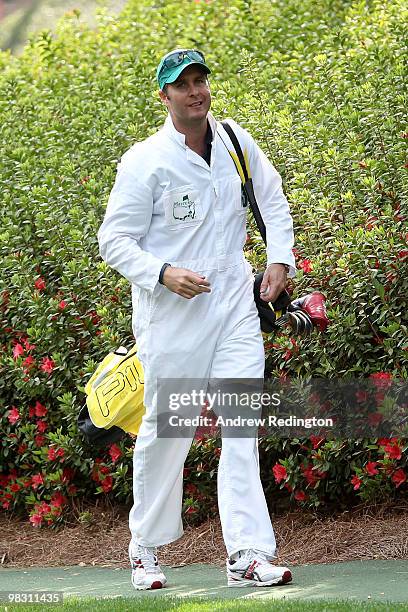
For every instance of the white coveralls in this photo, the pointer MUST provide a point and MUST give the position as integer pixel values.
(168, 205)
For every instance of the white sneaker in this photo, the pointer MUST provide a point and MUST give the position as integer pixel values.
(146, 571)
(251, 568)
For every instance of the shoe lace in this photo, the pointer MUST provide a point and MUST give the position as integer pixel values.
(148, 559)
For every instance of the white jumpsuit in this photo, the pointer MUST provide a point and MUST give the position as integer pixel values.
(168, 205)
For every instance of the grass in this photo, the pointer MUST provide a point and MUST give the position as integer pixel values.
(181, 604)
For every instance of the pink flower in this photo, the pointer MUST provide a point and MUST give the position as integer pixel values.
(47, 365)
(37, 480)
(40, 410)
(280, 473)
(13, 415)
(115, 452)
(398, 477)
(305, 265)
(356, 481)
(36, 520)
(18, 351)
(371, 468)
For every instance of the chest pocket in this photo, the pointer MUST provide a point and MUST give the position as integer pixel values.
(182, 207)
(240, 200)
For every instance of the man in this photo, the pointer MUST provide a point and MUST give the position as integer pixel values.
(175, 227)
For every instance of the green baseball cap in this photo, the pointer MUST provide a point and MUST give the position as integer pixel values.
(173, 64)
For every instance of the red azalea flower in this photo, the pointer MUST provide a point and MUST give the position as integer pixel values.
(393, 450)
(41, 426)
(371, 468)
(40, 284)
(300, 496)
(39, 440)
(22, 449)
(37, 480)
(72, 489)
(15, 487)
(51, 456)
(279, 471)
(375, 418)
(107, 483)
(18, 351)
(36, 520)
(381, 380)
(62, 305)
(6, 505)
(43, 508)
(356, 481)
(316, 441)
(305, 265)
(13, 415)
(288, 487)
(60, 452)
(67, 474)
(114, 452)
(398, 477)
(310, 474)
(27, 345)
(31, 411)
(47, 365)
(40, 410)
(361, 396)
(28, 363)
(58, 499)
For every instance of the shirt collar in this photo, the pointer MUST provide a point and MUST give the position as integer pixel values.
(180, 138)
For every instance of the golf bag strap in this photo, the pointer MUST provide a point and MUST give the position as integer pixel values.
(244, 172)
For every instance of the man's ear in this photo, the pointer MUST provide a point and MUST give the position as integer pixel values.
(163, 96)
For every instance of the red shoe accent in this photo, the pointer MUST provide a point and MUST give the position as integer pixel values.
(156, 585)
(287, 577)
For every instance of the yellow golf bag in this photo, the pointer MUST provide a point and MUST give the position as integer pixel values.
(114, 403)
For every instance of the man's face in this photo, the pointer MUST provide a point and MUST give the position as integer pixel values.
(188, 98)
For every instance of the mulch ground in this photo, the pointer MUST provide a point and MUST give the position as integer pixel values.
(375, 532)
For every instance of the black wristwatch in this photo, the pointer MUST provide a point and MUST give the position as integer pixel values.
(163, 268)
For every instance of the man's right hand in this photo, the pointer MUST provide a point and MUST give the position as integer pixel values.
(184, 282)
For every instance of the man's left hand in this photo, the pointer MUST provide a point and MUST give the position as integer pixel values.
(274, 282)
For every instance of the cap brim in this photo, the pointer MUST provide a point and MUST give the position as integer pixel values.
(179, 69)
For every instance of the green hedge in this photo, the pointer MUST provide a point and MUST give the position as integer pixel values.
(320, 85)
